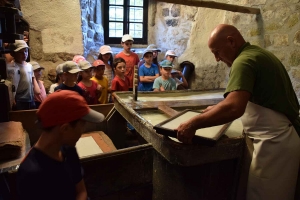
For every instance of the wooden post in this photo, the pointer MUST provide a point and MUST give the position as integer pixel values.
(135, 83)
(215, 5)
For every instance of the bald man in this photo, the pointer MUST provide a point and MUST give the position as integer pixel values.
(260, 92)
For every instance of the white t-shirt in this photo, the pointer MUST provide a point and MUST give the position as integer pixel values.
(21, 77)
(52, 87)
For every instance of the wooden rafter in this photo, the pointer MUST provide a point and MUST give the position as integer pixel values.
(215, 5)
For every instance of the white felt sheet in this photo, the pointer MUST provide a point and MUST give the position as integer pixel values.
(87, 146)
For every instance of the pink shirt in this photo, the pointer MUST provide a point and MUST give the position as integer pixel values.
(42, 96)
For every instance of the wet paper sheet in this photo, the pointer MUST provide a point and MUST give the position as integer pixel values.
(214, 132)
(86, 146)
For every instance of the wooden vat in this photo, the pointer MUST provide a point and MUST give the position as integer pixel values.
(126, 172)
(193, 171)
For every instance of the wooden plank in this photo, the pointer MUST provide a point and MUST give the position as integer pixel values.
(167, 110)
(216, 5)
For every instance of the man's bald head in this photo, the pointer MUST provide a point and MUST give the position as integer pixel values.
(225, 41)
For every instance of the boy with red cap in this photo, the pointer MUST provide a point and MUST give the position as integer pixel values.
(51, 169)
(101, 80)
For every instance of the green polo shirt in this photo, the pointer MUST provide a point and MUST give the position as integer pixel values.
(262, 74)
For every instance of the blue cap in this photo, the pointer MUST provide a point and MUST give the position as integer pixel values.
(166, 63)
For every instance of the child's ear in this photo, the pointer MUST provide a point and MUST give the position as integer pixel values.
(64, 127)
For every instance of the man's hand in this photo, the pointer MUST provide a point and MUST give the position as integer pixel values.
(185, 133)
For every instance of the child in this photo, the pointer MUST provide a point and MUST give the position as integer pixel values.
(21, 74)
(90, 88)
(164, 82)
(105, 54)
(155, 51)
(101, 80)
(148, 72)
(59, 78)
(170, 56)
(70, 73)
(120, 82)
(130, 58)
(38, 98)
(51, 169)
(180, 84)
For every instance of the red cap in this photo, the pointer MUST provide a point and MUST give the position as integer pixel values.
(97, 63)
(65, 106)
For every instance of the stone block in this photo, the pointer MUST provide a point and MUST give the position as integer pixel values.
(50, 57)
(267, 41)
(175, 10)
(91, 24)
(254, 32)
(90, 33)
(295, 73)
(172, 22)
(89, 43)
(280, 40)
(294, 58)
(98, 28)
(65, 56)
(293, 20)
(297, 38)
(273, 26)
(165, 12)
(236, 18)
(256, 2)
(98, 37)
(293, 1)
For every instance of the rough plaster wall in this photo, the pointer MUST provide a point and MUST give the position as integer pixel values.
(187, 34)
(58, 24)
(276, 29)
(61, 29)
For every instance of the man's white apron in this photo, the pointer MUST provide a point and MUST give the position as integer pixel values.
(276, 156)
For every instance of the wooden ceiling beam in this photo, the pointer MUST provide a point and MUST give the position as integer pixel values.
(215, 5)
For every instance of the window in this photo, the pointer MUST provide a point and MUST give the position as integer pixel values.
(125, 17)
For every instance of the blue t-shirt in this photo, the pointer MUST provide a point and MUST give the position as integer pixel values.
(145, 71)
(169, 84)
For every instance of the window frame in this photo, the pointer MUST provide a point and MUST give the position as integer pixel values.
(117, 40)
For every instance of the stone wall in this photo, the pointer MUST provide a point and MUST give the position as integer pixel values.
(60, 30)
(92, 28)
(276, 29)
(55, 30)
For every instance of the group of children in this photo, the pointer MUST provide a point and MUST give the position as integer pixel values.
(53, 157)
(97, 81)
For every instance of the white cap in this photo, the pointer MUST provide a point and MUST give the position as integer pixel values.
(105, 49)
(71, 67)
(18, 45)
(153, 47)
(170, 53)
(84, 65)
(127, 37)
(36, 65)
(147, 51)
(59, 69)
